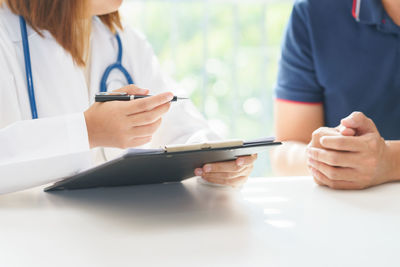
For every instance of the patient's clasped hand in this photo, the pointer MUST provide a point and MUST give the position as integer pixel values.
(352, 155)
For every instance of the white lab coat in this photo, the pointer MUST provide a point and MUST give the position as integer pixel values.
(34, 152)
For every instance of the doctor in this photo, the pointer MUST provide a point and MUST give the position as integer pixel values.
(54, 57)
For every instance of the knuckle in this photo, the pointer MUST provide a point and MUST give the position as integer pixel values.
(324, 130)
(316, 134)
(212, 167)
(320, 132)
(357, 114)
(372, 142)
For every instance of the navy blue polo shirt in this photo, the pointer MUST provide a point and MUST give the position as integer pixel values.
(344, 54)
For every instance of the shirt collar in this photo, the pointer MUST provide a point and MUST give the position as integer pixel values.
(11, 23)
(368, 11)
(372, 12)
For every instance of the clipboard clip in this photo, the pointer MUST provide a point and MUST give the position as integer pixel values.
(203, 146)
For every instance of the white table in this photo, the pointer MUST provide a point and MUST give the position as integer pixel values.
(270, 222)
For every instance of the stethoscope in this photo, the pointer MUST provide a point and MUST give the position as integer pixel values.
(28, 68)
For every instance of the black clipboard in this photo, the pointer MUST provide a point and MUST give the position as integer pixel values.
(154, 166)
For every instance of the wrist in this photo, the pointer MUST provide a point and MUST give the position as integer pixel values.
(393, 160)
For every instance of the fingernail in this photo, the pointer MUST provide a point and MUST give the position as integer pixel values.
(207, 168)
(198, 172)
(240, 162)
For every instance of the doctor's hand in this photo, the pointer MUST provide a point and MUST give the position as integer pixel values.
(233, 173)
(352, 156)
(125, 124)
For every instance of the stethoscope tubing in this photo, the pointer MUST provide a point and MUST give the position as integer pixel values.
(28, 68)
(116, 66)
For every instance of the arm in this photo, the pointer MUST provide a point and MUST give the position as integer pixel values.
(294, 125)
(299, 104)
(37, 152)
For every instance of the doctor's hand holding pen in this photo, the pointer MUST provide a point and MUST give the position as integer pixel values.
(125, 124)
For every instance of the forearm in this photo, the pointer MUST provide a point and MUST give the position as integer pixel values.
(393, 160)
(32, 139)
(290, 159)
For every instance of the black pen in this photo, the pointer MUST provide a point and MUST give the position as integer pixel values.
(117, 96)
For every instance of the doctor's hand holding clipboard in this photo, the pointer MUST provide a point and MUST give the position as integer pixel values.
(55, 63)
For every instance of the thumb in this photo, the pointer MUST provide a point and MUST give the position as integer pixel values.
(132, 90)
(360, 123)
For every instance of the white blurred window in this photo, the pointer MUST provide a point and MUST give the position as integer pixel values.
(223, 52)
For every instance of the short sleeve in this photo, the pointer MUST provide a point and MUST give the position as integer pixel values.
(297, 78)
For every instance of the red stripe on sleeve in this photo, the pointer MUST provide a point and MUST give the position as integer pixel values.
(298, 102)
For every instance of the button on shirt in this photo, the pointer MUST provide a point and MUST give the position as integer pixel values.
(344, 54)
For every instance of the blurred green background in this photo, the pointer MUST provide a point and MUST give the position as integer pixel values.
(223, 53)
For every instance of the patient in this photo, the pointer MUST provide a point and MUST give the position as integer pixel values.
(339, 57)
